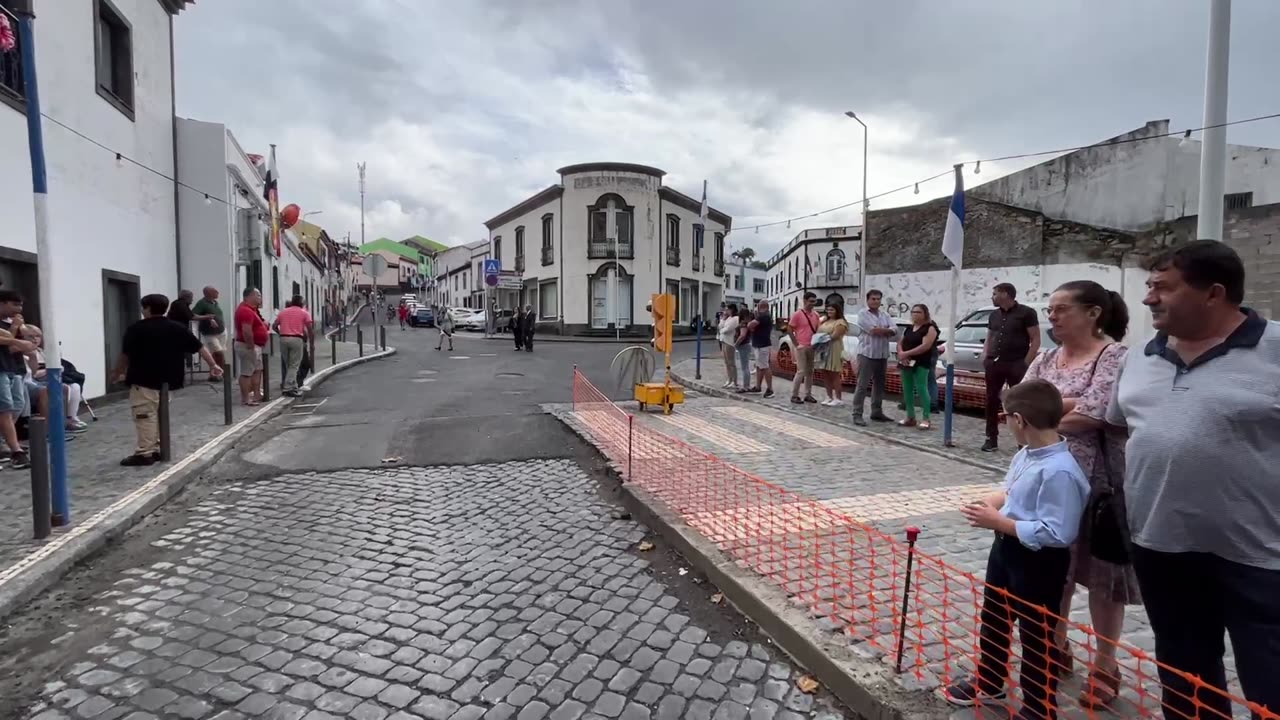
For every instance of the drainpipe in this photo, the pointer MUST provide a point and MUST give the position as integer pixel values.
(177, 217)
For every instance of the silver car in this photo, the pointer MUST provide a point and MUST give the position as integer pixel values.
(971, 335)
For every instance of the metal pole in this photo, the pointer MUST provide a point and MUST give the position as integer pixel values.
(266, 374)
(617, 283)
(697, 363)
(41, 517)
(227, 418)
(952, 314)
(333, 349)
(912, 534)
(1213, 145)
(162, 419)
(631, 431)
(383, 335)
(360, 338)
(45, 262)
(865, 203)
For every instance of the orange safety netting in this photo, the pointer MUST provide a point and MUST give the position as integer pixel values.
(853, 577)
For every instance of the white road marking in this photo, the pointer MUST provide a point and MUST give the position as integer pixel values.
(459, 357)
(729, 439)
(424, 380)
(486, 354)
(786, 427)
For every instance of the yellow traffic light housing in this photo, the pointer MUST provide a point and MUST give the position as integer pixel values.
(662, 306)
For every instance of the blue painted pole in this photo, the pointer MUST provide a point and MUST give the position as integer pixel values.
(44, 258)
(946, 423)
(697, 364)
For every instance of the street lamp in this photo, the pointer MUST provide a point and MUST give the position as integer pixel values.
(862, 264)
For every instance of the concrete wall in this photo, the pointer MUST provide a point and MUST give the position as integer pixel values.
(102, 216)
(1132, 185)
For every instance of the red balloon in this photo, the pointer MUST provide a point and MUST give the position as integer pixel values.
(289, 215)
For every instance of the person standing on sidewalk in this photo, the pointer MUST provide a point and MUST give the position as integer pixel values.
(916, 359)
(295, 326)
(761, 329)
(211, 325)
(1013, 341)
(154, 351)
(13, 368)
(804, 323)
(830, 357)
(1036, 517)
(727, 334)
(251, 338)
(527, 328)
(517, 328)
(873, 358)
(742, 345)
(1201, 485)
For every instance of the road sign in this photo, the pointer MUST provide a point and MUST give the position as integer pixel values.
(510, 281)
(375, 265)
(492, 266)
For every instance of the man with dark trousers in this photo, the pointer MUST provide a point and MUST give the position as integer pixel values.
(517, 328)
(526, 328)
(1013, 340)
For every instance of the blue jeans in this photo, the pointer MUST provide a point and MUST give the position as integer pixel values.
(744, 360)
(13, 393)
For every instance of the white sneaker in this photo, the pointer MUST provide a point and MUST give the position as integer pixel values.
(836, 403)
(825, 403)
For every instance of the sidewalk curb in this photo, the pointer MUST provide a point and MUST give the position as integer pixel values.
(570, 339)
(864, 685)
(44, 566)
(706, 389)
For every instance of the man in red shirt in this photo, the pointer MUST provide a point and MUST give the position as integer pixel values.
(804, 323)
(404, 314)
(251, 338)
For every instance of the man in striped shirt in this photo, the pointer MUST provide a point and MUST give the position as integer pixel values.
(877, 329)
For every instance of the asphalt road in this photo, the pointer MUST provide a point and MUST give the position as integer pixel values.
(414, 540)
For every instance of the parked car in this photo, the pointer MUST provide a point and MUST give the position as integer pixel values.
(503, 321)
(475, 321)
(459, 314)
(423, 317)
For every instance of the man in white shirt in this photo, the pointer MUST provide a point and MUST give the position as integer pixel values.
(873, 358)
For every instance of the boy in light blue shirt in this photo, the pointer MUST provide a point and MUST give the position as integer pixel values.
(1035, 518)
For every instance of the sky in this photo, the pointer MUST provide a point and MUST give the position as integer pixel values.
(462, 109)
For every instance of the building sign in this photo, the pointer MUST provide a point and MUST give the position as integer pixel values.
(510, 281)
(596, 181)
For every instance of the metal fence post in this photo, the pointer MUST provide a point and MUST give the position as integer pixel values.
(41, 509)
(360, 338)
(912, 534)
(266, 376)
(382, 332)
(631, 431)
(162, 418)
(226, 394)
(333, 349)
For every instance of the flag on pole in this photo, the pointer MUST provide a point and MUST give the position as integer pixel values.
(808, 264)
(953, 235)
(271, 192)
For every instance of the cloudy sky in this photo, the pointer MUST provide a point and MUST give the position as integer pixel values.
(462, 109)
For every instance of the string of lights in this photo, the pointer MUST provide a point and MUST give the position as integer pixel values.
(977, 167)
(915, 184)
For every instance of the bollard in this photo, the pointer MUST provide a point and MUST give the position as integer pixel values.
(333, 350)
(226, 394)
(382, 331)
(360, 338)
(162, 419)
(284, 371)
(266, 380)
(912, 534)
(631, 431)
(41, 509)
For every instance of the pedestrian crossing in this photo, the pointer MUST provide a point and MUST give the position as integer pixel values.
(786, 427)
(730, 440)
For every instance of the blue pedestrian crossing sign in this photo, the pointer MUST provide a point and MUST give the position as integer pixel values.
(492, 266)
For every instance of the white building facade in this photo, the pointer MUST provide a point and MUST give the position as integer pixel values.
(591, 249)
(455, 275)
(744, 283)
(225, 240)
(106, 70)
(826, 261)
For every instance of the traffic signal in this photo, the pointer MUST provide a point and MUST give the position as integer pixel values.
(662, 306)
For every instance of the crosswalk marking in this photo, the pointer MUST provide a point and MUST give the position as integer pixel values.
(729, 439)
(910, 503)
(611, 430)
(786, 427)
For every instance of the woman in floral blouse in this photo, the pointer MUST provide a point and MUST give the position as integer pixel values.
(1088, 322)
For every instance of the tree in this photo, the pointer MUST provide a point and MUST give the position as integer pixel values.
(746, 254)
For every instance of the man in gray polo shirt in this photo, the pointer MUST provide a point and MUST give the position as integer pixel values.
(1202, 480)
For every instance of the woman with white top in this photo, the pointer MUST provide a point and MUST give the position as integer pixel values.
(727, 334)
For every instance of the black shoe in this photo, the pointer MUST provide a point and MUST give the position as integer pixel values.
(796, 401)
(767, 394)
(810, 399)
(990, 446)
(881, 417)
(754, 390)
(139, 460)
(19, 460)
(857, 420)
(966, 693)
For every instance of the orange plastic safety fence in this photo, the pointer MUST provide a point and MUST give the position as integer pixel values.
(851, 577)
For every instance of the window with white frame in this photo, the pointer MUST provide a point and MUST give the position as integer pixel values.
(548, 300)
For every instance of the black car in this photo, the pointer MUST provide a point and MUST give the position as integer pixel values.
(423, 317)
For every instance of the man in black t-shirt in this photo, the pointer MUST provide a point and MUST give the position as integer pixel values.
(1013, 340)
(761, 329)
(154, 351)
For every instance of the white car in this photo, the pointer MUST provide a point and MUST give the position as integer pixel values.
(461, 314)
(475, 321)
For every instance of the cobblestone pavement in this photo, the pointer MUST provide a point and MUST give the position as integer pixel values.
(875, 482)
(93, 458)
(449, 593)
(968, 427)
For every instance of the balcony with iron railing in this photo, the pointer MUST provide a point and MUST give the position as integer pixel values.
(12, 88)
(548, 255)
(834, 280)
(719, 267)
(606, 249)
(520, 263)
(673, 256)
(697, 263)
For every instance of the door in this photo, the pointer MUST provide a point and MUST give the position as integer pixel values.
(121, 307)
(600, 302)
(623, 301)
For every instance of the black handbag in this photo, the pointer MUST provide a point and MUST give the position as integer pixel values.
(1105, 514)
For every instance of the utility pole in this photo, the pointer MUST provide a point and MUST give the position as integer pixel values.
(1213, 143)
(59, 496)
(866, 207)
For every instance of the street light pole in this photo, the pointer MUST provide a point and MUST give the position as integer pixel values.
(865, 205)
(1213, 145)
(59, 496)
(360, 167)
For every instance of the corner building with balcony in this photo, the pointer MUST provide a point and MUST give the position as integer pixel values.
(592, 248)
(826, 261)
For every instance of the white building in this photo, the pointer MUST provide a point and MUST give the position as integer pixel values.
(826, 261)
(744, 283)
(593, 247)
(106, 70)
(1135, 180)
(227, 244)
(456, 275)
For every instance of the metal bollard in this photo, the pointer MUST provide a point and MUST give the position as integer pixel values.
(912, 534)
(162, 419)
(333, 349)
(266, 379)
(360, 338)
(41, 507)
(226, 394)
(382, 331)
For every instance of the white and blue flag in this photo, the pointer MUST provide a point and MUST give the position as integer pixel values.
(953, 236)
